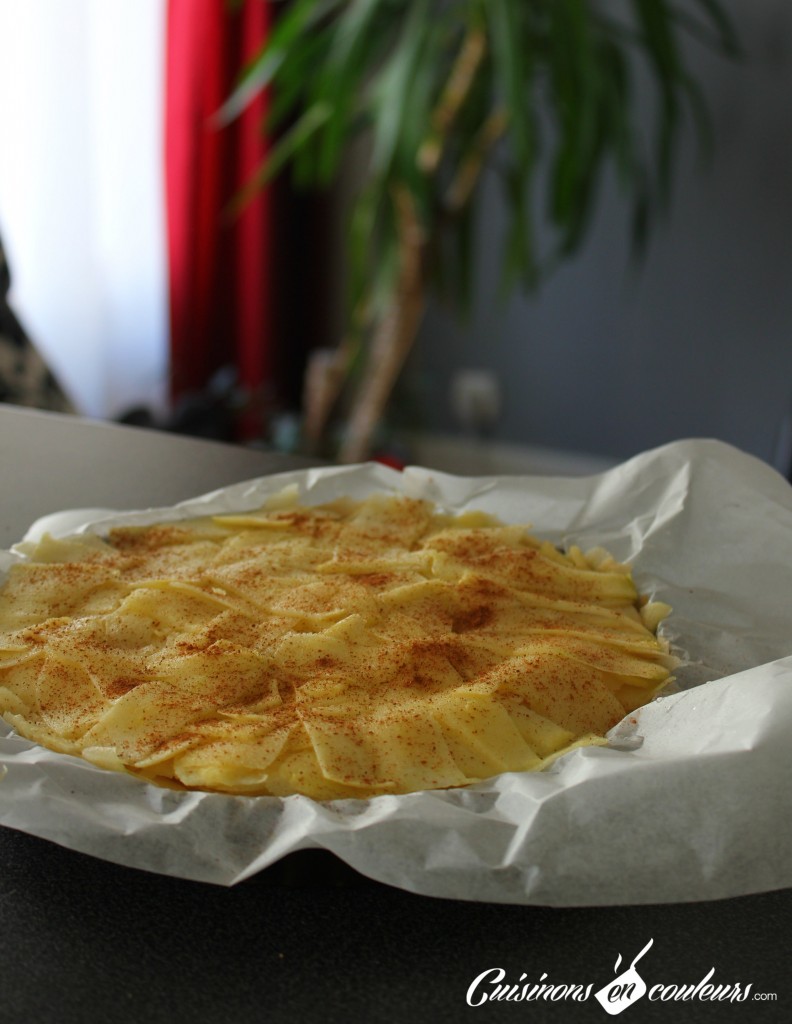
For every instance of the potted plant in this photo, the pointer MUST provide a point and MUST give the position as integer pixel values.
(542, 91)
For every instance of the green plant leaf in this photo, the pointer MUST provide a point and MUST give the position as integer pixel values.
(289, 97)
(581, 103)
(261, 71)
(463, 249)
(727, 34)
(290, 146)
(513, 66)
(520, 265)
(698, 106)
(656, 20)
(360, 34)
(391, 95)
(373, 245)
(642, 218)
(617, 104)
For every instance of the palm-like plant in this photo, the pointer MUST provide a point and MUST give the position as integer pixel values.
(542, 90)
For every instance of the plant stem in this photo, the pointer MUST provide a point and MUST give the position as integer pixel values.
(469, 171)
(397, 329)
(394, 335)
(324, 379)
(460, 82)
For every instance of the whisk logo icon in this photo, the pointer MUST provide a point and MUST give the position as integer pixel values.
(625, 989)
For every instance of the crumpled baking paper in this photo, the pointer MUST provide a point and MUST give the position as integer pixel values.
(691, 801)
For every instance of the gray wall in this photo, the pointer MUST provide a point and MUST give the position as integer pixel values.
(698, 342)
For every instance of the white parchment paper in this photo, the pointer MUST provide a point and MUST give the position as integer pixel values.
(691, 802)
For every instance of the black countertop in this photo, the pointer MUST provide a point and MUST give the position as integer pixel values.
(309, 939)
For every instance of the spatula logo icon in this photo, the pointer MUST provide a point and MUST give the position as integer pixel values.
(625, 989)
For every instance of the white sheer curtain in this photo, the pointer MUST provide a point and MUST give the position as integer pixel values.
(82, 192)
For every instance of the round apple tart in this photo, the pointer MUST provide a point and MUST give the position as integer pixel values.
(345, 650)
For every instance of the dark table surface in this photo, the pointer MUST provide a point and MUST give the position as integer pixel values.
(309, 939)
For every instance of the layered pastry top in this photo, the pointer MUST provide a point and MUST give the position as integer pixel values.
(345, 650)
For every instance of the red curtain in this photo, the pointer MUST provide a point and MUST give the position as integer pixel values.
(219, 267)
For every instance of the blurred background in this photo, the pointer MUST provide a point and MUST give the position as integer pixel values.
(150, 301)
